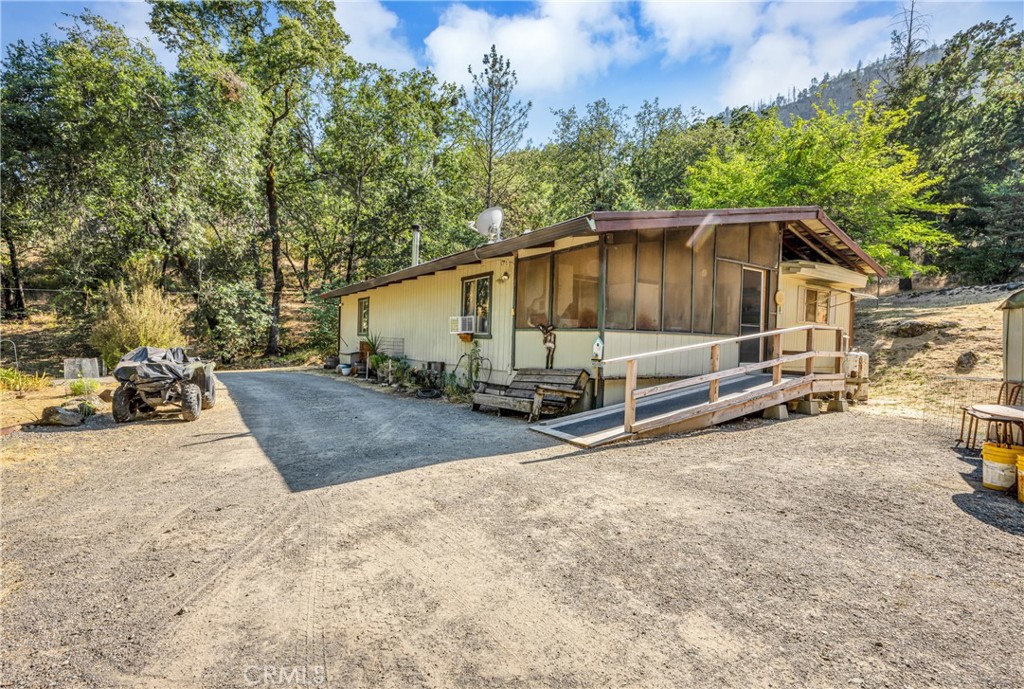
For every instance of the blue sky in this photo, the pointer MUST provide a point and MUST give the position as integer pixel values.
(707, 55)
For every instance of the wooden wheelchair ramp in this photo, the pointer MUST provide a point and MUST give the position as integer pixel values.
(703, 400)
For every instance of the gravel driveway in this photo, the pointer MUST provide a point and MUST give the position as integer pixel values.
(310, 532)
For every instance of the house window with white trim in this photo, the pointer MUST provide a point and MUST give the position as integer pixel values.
(476, 302)
(364, 316)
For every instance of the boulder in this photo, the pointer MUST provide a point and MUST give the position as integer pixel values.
(966, 361)
(917, 328)
(59, 416)
(107, 395)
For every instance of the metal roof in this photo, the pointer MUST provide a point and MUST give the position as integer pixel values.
(808, 224)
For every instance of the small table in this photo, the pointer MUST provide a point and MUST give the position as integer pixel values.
(1004, 414)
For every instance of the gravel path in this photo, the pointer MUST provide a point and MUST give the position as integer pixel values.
(310, 532)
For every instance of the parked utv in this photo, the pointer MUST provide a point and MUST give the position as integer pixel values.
(151, 377)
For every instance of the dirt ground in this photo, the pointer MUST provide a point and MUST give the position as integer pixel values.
(308, 531)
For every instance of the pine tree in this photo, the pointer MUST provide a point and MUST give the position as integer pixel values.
(499, 122)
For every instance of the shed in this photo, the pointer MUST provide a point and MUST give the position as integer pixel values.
(1013, 337)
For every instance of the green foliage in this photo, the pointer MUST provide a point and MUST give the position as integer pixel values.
(845, 163)
(83, 387)
(373, 342)
(135, 316)
(18, 381)
(590, 154)
(233, 318)
(498, 126)
(323, 335)
(969, 127)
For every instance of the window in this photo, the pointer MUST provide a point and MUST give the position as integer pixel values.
(476, 302)
(364, 316)
(816, 302)
(576, 288)
(532, 292)
(621, 287)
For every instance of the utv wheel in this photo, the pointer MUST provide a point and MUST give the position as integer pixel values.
(121, 406)
(191, 401)
(209, 392)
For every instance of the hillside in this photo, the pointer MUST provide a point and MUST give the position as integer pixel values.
(918, 376)
(844, 89)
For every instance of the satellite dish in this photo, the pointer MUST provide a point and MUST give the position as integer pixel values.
(489, 222)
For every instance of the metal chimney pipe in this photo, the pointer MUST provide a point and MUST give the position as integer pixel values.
(415, 245)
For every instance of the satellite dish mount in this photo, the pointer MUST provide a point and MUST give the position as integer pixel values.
(489, 222)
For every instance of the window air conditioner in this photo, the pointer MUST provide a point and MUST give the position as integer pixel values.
(458, 325)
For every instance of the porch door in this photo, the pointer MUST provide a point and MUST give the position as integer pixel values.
(752, 314)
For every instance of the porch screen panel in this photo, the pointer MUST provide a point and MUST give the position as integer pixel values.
(764, 244)
(621, 281)
(703, 281)
(733, 242)
(678, 280)
(533, 278)
(648, 279)
(728, 283)
(576, 275)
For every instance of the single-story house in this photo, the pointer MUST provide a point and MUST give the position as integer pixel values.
(624, 282)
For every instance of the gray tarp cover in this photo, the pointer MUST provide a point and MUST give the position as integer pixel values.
(153, 365)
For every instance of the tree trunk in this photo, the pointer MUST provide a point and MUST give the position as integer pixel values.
(14, 290)
(274, 341)
(254, 254)
(907, 283)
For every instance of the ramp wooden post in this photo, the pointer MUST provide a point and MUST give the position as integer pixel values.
(716, 357)
(776, 353)
(629, 416)
(839, 348)
(809, 362)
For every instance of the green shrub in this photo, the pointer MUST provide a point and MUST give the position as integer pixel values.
(83, 387)
(323, 314)
(234, 318)
(140, 317)
(13, 379)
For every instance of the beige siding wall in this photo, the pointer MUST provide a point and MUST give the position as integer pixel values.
(1013, 344)
(790, 316)
(418, 311)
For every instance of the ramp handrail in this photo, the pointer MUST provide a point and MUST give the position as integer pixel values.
(712, 379)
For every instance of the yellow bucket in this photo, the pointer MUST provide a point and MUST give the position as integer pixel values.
(1020, 478)
(999, 465)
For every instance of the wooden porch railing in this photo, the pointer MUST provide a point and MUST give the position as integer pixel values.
(712, 379)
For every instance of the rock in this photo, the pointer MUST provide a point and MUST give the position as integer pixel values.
(59, 416)
(966, 361)
(916, 328)
(107, 396)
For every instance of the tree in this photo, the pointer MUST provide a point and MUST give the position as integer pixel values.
(281, 50)
(498, 124)
(27, 120)
(969, 127)
(590, 156)
(847, 164)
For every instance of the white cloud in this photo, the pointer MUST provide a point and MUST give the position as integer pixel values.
(373, 33)
(553, 47)
(770, 47)
(686, 29)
